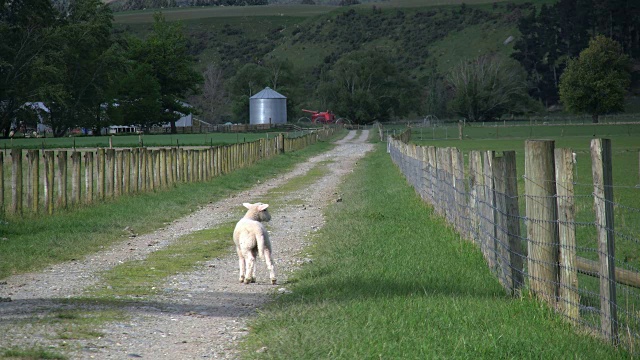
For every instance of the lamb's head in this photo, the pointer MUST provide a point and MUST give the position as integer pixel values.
(257, 212)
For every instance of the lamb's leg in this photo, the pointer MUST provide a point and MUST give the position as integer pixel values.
(267, 260)
(250, 271)
(241, 264)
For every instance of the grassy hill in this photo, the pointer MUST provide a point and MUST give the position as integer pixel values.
(424, 38)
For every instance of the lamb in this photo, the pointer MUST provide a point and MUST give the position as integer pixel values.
(251, 238)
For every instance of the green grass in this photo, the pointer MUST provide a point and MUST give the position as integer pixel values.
(28, 244)
(626, 152)
(193, 13)
(31, 354)
(299, 182)
(210, 139)
(144, 277)
(389, 280)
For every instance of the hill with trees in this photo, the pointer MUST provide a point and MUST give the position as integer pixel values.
(366, 62)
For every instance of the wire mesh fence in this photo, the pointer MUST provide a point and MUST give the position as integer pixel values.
(572, 245)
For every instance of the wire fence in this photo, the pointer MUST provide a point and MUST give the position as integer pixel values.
(567, 243)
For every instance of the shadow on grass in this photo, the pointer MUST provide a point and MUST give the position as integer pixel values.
(367, 288)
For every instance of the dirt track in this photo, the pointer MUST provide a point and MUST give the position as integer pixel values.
(200, 314)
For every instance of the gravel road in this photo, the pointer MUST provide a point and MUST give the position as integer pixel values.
(200, 314)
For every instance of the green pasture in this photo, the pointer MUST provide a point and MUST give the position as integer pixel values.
(625, 141)
(206, 139)
(390, 280)
(192, 13)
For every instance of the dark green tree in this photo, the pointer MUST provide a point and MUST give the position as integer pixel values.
(26, 49)
(139, 100)
(166, 51)
(486, 88)
(560, 31)
(596, 82)
(250, 79)
(87, 59)
(364, 86)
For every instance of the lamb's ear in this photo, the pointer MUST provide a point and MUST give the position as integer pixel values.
(262, 207)
(247, 205)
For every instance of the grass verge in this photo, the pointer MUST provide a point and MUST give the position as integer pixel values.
(390, 280)
(32, 244)
(31, 354)
(143, 277)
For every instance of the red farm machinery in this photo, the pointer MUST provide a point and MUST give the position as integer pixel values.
(321, 117)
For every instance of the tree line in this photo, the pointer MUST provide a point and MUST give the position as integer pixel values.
(67, 58)
(375, 65)
(554, 34)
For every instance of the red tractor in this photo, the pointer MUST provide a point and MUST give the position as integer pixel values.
(321, 117)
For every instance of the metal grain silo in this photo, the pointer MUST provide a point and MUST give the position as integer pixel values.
(268, 107)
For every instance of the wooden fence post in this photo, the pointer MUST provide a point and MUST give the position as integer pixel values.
(603, 201)
(88, 176)
(110, 160)
(143, 169)
(135, 170)
(516, 254)
(198, 165)
(542, 220)
(49, 180)
(507, 221)
(100, 162)
(499, 214)
(280, 143)
(162, 159)
(16, 181)
(2, 182)
(33, 175)
(489, 213)
(155, 165)
(191, 165)
(117, 175)
(173, 166)
(433, 175)
(62, 179)
(440, 185)
(126, 171)
(476, 191)
(569, 296)
(76, 177)
(460, 208)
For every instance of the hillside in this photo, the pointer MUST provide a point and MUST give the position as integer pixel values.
(423, 41)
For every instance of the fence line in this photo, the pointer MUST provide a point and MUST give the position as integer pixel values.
(570, 265)
(41, 182)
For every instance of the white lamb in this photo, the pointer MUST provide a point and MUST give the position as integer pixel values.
(251, 238)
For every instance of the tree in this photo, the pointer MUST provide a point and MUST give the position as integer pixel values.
(486, 88)
(26, 48)
(213, 96)
(247, 82)
(167, 52)
(139, 100)
(364, 86)
(595, 83)
(87, 59)
(280, 71)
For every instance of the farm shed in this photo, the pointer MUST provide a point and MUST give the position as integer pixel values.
(268, 107)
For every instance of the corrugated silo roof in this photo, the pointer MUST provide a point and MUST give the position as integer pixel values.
(268, 93)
